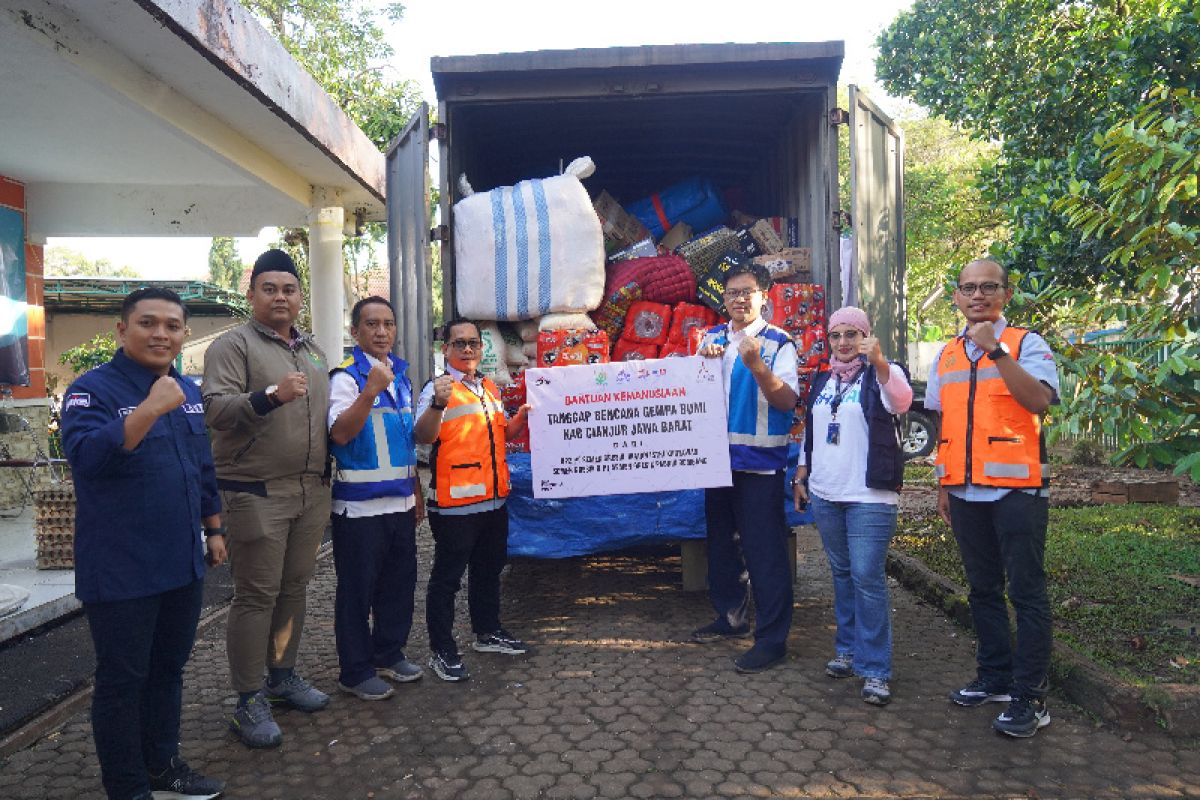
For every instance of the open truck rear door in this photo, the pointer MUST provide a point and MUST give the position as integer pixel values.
(408, 245)
(877, 216)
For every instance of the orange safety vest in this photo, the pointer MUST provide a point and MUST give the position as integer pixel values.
(468, 455)
(987, 437)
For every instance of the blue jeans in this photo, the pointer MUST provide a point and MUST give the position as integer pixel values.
(376, 563)
(747, 531)
(998, 540)
(856, 538)
(141, 647)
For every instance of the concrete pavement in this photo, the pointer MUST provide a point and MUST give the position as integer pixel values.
(614, 703)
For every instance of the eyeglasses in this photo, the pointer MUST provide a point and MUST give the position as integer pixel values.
(466, 344)
(849, 336)
(988, 289)
(739, 294)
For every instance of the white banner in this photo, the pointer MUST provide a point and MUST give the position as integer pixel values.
(628, 427)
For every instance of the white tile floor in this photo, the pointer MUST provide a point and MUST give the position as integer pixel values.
(51, 591)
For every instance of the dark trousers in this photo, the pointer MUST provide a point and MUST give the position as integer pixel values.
(376, 563)
(475, 542)
(1008, 538)
(747, 537)
(141, 648)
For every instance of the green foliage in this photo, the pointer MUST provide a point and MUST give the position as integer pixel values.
(64, 261)
(1109, 573)
(224, 264)
(98, 350)
(343, 46)
(1041, 77)
(947, 220)
(1146, 207)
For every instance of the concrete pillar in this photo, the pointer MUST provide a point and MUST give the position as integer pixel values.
(325, 219)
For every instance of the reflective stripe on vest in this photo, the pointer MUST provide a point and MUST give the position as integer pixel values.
(367, 467)
(987, 437)
(469, 464)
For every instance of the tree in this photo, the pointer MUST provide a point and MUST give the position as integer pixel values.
(90, 354)
(224, 265)
(63, 261)
(1146, 206)
(1041, 77)
(341, 44)
(948, 222)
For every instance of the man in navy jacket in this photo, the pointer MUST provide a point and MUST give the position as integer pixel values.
(133, 430)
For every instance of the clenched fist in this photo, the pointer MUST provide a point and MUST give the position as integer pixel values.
(442, 386)
(869, 347)
(378, 379)
(293, 385)
(983, 334)
(749, 349)
(165, 396)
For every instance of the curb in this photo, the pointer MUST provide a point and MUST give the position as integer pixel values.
(1170, 707)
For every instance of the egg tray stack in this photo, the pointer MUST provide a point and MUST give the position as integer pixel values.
(54, 525)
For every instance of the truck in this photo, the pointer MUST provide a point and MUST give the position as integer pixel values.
(761, 117)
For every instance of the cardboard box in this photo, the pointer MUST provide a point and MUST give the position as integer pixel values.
(619, 226)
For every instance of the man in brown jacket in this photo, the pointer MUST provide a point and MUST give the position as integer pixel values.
(266, 394)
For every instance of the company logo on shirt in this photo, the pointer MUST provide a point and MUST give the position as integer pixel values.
(126, 411)
(193, 408)
(80, 399)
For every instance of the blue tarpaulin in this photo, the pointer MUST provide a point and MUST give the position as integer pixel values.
(576, 526)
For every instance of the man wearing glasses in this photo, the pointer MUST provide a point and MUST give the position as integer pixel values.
(747, 529)
(461, 415)
(992, 383)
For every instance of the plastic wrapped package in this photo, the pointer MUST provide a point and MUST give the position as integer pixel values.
(671, 349)
(492, 361)
(610, 316)
(707, 249)
(531, 249)
(527, 329)
(712, 281)
(564, 348)
(626, 350)
(513, 397)
(647, 323)
(565, 322)
(685, 317)
(694, 201)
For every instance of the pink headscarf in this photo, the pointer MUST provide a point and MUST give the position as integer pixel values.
(856, 318)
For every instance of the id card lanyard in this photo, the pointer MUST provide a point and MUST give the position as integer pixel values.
(833, 433)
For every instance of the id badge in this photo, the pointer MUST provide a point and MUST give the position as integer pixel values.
(833, 433)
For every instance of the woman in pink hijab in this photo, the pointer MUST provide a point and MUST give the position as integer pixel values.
(851, 471)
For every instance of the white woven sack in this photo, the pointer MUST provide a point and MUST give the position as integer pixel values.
(527, 250)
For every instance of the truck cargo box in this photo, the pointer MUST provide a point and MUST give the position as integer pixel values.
(759, 120)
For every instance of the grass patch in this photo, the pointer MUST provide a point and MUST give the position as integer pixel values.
(1109, 574)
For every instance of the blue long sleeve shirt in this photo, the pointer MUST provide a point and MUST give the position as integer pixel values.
(138, 512)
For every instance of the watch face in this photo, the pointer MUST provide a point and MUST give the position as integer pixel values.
(272, 388)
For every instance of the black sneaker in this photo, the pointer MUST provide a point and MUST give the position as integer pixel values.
(180, 782)
(718, 630)
(499, 642)
(1023, 718)
(448, 667)
(978, 692)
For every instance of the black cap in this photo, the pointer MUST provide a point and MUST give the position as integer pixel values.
(274, 260)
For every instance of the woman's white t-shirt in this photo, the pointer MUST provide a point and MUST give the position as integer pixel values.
(839, 471)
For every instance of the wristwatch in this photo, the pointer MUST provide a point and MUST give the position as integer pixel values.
(217, 531)
(1000, 352)
(270, 392)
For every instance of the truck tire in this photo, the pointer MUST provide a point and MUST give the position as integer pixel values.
(919, 431)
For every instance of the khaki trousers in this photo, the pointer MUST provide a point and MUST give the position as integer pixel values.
(273, 545)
